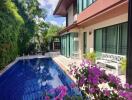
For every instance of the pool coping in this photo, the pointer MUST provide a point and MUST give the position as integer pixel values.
(63, 67)
(20, 58)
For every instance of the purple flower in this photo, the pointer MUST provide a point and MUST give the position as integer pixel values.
(126, 94)
(63, 90)
(106, 92)
(130, 86)
(73, 85)
(113, 79)
(127, 86)
(91, 90)
(47, 98)
(81, 81)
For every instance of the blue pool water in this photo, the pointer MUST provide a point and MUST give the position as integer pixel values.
(31, 79)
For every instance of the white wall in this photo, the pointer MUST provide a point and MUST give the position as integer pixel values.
(91, 28)
(70, 15)
(90, 38)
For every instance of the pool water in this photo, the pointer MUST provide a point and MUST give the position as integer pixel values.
(31, 79)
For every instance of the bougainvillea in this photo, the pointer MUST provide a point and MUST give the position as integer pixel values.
(96, 84)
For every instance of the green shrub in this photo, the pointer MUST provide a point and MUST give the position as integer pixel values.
(90, 56)
(10, 24)
(123, 66)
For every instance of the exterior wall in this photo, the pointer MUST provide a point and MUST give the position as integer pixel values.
(70, 15)
(115, 16)
(91, 28)
(97, 7)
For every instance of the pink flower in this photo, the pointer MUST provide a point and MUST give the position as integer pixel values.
(63, 91)
(106, 92)
(91, 90)
(127, 86)
(47, 98)
(73, 85)
(131, 86)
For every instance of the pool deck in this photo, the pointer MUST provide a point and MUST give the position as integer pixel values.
(62, 61)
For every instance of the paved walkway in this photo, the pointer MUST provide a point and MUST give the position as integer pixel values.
(63, 62)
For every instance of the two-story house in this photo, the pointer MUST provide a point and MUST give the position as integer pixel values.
(99, 25)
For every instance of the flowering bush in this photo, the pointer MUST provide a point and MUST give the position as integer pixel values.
(98, 85)
(94, 83)
(58, 93)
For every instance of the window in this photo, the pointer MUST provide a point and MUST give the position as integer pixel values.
(85, 4)
(67, 20)
(123, 39)
(110, 43)
(112, 39)
(98, 40)
(76, 42)
(75, 7)
(82, 4)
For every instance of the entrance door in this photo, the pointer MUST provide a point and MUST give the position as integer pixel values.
(84, 42)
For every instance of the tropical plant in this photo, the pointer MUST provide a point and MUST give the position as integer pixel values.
(91, 56)
(10, 25)
(30, 11)
(123, 65)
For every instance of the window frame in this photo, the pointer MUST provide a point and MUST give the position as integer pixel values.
(104, 39)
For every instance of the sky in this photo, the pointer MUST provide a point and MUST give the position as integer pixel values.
(50, 6)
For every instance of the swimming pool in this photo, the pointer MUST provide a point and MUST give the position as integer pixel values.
(30, 80)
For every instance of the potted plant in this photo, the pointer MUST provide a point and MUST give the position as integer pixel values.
(123, 66)
(91, 56)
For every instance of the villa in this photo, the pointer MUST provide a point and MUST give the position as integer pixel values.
(90, 59)
(93, 25)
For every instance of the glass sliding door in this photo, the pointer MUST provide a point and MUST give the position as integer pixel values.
(123, 39)
(112, 39)
(75, 43)
(71, 43)
(84, 42)
(61, 46)
(68, 45)
(98, 40)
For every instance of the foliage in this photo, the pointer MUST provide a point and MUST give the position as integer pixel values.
(91, 56)
(10, 23)
(99, 85)
(23, 29)
(95, 84)
(60, 93)
(123, 66)
(52, 31)
(30, 12)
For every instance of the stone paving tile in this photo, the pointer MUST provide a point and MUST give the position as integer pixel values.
(63, 62)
